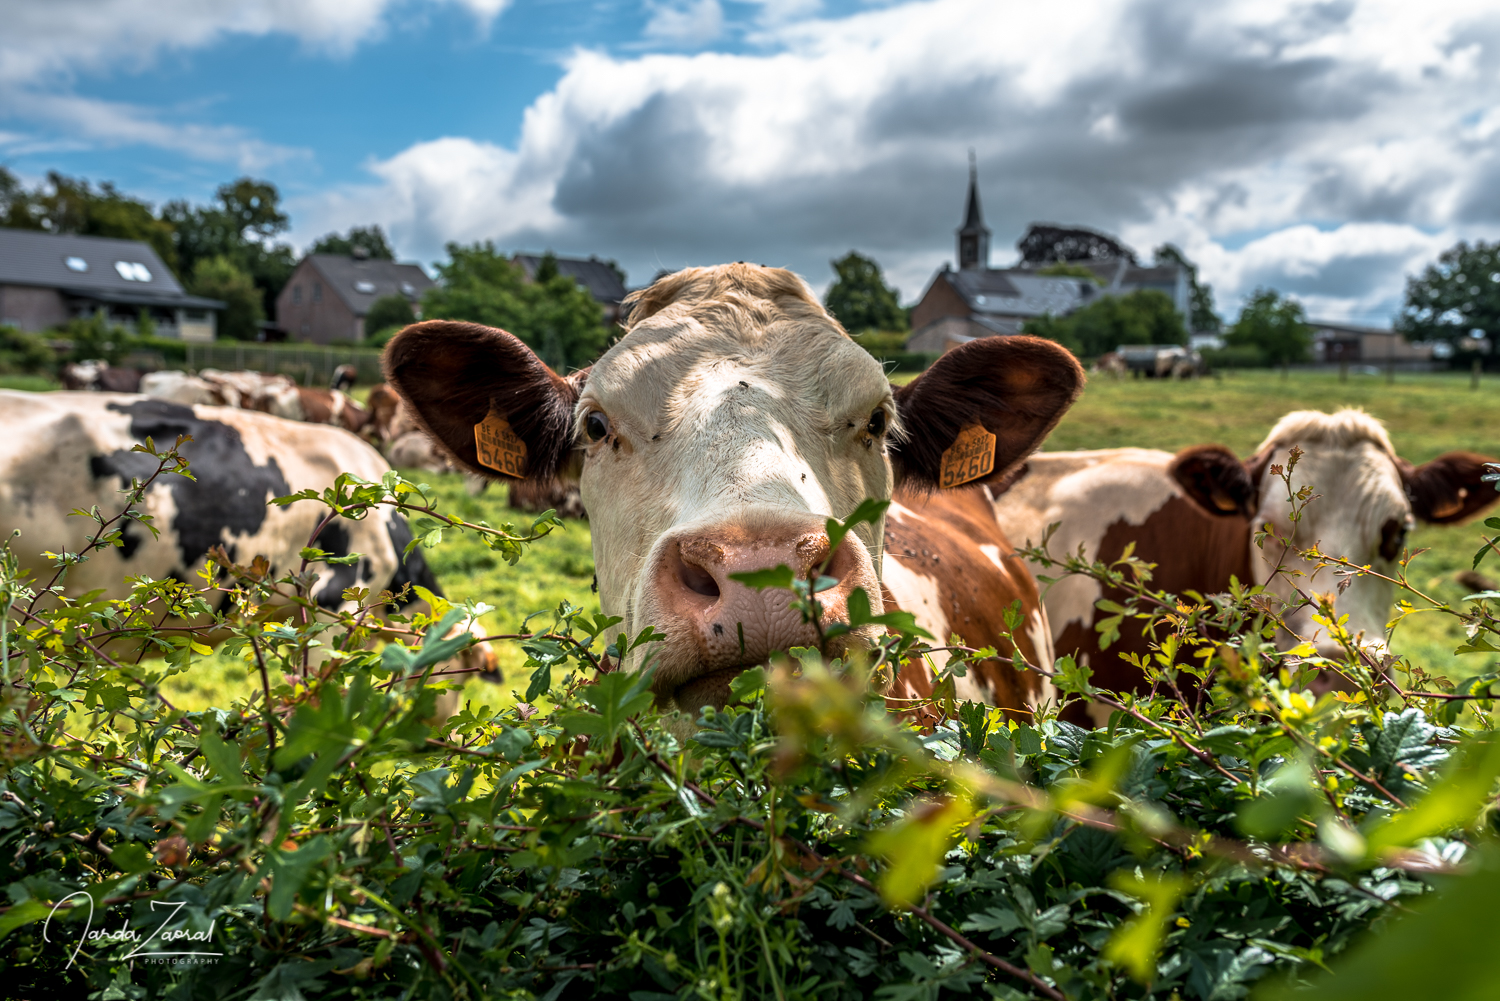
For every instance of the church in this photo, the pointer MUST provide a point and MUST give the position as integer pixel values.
(977, 300)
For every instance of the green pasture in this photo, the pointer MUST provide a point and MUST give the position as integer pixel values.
(1427, 414)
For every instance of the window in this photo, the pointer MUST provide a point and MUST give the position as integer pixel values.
(76, 264)
(317, 291)
(296, 295)
(132, 271)
(407, 289)
(366, 288)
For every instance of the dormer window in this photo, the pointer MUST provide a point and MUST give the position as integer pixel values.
(133, 271)
(76, 264)
(365, 288)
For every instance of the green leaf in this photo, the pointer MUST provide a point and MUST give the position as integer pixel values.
(289, 871)
(615, 697)
(779, 576)
(915, 845)
(24, 913)
(1454, 801)
(131, 857)
(1285, 797)
(1136, 943)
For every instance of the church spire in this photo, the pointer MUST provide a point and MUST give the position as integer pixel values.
(974, 235)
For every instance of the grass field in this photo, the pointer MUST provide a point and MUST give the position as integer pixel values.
(1427, 414)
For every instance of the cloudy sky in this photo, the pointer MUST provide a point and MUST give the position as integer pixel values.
(1327, 149)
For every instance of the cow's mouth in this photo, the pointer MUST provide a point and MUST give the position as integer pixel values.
(710, 689)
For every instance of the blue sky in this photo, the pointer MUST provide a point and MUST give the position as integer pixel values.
(1328, 149)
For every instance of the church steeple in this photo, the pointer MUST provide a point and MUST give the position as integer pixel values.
(974, 235)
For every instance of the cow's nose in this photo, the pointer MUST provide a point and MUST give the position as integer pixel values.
(736, 625)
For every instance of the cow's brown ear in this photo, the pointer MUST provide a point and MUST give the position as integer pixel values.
(1217, 481)
(1449, 488)
(454, 375)
(1016, 388)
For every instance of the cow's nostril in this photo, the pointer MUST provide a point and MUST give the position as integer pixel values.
(697, 580)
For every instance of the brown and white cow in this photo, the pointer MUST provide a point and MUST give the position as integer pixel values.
(717, 436)
(1192, 514)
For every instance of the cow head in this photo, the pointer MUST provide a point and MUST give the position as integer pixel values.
(1367, 499)
(716, 437)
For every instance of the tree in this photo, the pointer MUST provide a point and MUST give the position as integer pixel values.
(1066, 269)
(240, 225)
(1144, 316)
(220, 278)
(861, 300)
(387, 315)
(370, 238)
(74, 205)
(553, 315)
(1045, 244)
(1456, 296)
(1275, 326)
(1201, 315)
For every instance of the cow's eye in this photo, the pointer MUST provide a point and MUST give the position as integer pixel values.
(596, 425)
(877, 423)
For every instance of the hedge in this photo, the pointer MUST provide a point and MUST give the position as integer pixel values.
(330, 836)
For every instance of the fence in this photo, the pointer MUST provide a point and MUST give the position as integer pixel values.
(310, 365)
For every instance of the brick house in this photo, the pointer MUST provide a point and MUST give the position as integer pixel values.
(328, 295)
(47, 279)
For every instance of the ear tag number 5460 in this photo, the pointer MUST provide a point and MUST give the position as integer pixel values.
(971, 456)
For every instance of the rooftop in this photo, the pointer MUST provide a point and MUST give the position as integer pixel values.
(360, 281)
(599, 277)
(94, 267)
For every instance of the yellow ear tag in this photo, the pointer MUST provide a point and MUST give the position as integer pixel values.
(971, 456)
(500, 448)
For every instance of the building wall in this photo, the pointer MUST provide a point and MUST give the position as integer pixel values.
(309, 310)
(941, 300)
(32, 308)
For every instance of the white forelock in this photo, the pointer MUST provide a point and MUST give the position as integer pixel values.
(1344, 428)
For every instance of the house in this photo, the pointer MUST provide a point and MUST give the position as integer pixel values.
(1345, 343)
(47, 279)
(979, 301)
(328, 295)
(603, 279)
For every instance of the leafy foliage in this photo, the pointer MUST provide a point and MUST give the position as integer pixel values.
(334, 835)
(860, 299)
(1144, 316)
(1201, 315)
(387, 315)
(1275, 326)
(553, 315)
(1456, 296)
(369, 240)
(219, 278)
(21, 352)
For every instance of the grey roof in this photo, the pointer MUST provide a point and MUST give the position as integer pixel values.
(1328, 328)
(359, 282)
(593, 274)
(1015, 292)
(41, 260)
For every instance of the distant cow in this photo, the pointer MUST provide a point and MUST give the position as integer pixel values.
(271, 394)
(100, 377)
(1191, 514)
(718, 435)
(64, 450)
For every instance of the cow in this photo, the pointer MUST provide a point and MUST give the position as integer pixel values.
(1194, 514)
(717, 436)
(69, 450)
(100, 376)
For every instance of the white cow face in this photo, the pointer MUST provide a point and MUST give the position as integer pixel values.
(717, 437)
(1366, 500)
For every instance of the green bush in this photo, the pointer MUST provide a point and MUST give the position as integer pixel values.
(1144, 316)
(388, 311)
(1237, 357)
(22, 353)
(244, 307)
(329, 836)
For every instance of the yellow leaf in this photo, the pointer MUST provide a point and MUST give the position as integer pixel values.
(915, 845)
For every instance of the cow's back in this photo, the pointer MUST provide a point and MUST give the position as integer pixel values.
(1102, 501)
(948, 563)
(63, 451)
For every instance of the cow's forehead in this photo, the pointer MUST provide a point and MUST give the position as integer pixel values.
(674, 358)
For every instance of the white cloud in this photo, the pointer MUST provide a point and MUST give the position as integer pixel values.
(685, 22)
(1325, 149)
